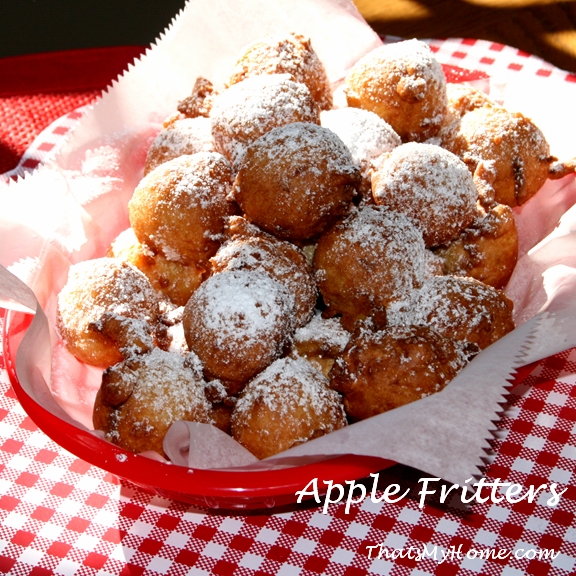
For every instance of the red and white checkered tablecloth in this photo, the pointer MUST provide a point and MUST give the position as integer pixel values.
(60, 515)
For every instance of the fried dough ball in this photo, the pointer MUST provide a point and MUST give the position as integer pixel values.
(404, 84)
(365, 135)
(132, 335)
(250, 109)
(487, 250)
(179, 136)
(365, 262)
(248, 248)
(178, 209)
(321, 341)
(431, 186)
(296, 181)
(291, 55)
(238, 322)
(200, 102)
(382, 370)
(176, 281)
(460, 308)
(463, 98)
(141, 397)
(284, 406)
(514, 152)
(94, 288)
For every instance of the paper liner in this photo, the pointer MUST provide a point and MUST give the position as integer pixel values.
(205, 40)
(80, 206)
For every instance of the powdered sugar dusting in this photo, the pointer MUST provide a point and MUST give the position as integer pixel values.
(178, 343)
(510, 145)
(292, 55)
(240, 307)
(371, 258)
(434, 264)
(483, 126)
(104, 285)
(411, 59)
(411, 362)
(327, 332)
(164, 390)
(281, 260)
(182, 136)
(305, 144)
(364, 133)
(289, 382)
(397, 242)
(430, 185)
(404, 84)
(197, 185)
(433, 297)
(178, 209)
(249, 109)
(461, 308)
(185, 389)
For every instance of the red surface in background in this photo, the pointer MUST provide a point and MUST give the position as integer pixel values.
(37, 89)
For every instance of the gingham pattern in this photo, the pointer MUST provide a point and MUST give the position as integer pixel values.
(46, 144)
(492, 58)
(59, 515)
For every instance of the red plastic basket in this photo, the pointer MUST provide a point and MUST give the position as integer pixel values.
(215, 489)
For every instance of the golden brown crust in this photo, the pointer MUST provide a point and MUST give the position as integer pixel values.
(131, 335)
(366, 136)
(253, 107)
(305, 195)
(320, 342)
(296, 181)
(463, 98)
(460, 308)
(175, 280)
(238, 322)
(511, 147)
(200, 102)
(365, 262)
(404, 84)
(140, 399)
(222, 417)
(287, 405)
(487, 250)
(249, 248)
(380, 371)
(292, 55)
(178, 209)
(179, 136)
(559, 169)
(95, 288)
(431, 186)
